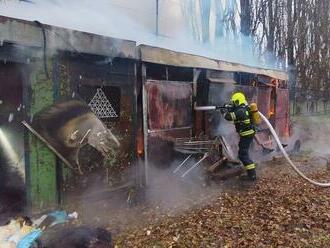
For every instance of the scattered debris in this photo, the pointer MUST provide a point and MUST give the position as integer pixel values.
(23, 232)
(67, 137)
(16, 233)
(214, 154)
(71, 236)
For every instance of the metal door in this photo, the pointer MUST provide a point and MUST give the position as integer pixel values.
(167, 115)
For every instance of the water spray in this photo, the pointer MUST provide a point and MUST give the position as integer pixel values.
(205, 108)
(8, 148)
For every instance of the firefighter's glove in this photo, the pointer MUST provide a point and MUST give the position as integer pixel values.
(223, 110)
(229, 107)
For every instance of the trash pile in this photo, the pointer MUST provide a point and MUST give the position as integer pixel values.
(23, 232)
(56, 229)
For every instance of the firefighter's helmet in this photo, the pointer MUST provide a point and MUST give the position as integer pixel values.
(238, 99)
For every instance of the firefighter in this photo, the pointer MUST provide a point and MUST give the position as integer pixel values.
(241, 115)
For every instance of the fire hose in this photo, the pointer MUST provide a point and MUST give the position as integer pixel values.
(287, 156)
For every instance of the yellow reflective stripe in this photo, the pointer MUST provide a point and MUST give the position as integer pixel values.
(250, 166)
(233, 116)
(247, 121)
(245, 133)
(247, 113)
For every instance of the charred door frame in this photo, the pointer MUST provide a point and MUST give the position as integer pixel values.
(145, 176)
(145, 80)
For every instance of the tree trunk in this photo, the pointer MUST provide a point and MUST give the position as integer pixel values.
(271, 21)
(290, 39)
(205, 14)
(246, 12)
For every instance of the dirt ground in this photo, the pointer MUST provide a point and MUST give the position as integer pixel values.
(280, 210)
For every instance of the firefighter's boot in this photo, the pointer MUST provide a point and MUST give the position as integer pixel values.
(250, 177)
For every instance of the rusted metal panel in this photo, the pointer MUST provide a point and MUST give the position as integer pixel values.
(198, 123)
(263, 101)
(169, 112)
(168, 57)
(169, 105)
(29, 34)
(282, 112)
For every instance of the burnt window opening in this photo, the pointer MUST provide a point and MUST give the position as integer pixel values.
(104, 101)
(96, 66)
(156, 72)
(180, 74)
(244, 78)
(169, 73)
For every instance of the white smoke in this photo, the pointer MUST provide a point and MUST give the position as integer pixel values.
(136, 20)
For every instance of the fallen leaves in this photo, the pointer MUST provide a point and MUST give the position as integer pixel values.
(280, 211)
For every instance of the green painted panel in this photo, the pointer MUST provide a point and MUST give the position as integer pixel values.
(65, 92)
(42, 175)
(42, 162)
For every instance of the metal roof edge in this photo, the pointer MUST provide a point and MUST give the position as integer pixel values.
(28, 33)
(165, 56)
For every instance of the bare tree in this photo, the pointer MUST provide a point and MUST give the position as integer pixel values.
(296, 32)
(246, 16)
(205, 14)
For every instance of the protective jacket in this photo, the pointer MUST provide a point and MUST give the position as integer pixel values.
(241, 116)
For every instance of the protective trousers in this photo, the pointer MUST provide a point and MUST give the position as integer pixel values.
(243, 154)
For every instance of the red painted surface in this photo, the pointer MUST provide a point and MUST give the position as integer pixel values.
(282, 112)
(169, 105)
(198, 123)
(169, 108)
(264, 100)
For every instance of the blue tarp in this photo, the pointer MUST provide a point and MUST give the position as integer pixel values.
(29, 239)
(60, 217)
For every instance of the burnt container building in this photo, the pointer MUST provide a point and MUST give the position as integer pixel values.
(150, 91)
